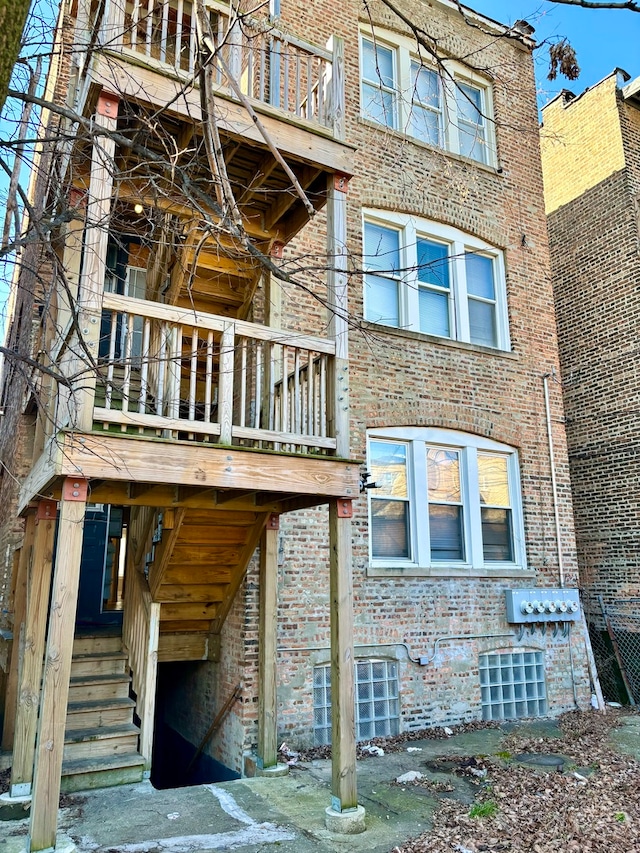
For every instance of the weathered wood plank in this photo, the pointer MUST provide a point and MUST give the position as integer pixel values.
(178, 612)
(175, 647)
(190, 593)
(131, 458)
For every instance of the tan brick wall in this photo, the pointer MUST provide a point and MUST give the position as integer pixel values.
(406, 379)
(581, 143)
(594, 239)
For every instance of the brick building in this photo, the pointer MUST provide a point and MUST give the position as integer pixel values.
(591, 164)
(255, 361)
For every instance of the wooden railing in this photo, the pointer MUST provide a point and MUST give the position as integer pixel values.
(195, 376)
(140, 631)
(270, 66)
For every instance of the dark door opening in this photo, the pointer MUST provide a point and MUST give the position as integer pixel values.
(102, 567)
(175, 764)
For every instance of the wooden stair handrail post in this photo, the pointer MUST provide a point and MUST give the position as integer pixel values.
(57, 667)
(337, 93)
(34, 636)
(19, 611)
(267, 647)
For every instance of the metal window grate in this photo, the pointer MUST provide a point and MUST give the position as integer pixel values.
(512, 685)
(377, 700)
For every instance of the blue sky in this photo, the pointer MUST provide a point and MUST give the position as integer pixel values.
(603, 39)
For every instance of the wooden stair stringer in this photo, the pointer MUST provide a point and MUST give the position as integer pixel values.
(165, 548)
(241, 569)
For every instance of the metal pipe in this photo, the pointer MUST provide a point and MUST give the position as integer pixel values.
(554, 486)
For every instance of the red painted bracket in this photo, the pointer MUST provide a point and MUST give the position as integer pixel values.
(345, 508)
(75, 489)
(341, 182)
(277, 249)
(273, 522)
(107, 104)
(47, 510)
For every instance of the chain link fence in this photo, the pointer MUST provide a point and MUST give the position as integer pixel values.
(615, 637)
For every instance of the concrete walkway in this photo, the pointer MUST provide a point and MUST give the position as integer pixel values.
(284, 814)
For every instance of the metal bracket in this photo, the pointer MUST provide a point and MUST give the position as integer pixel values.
(47, 510)
(277, 249)
(107, 104)
(75, 489)
(340, 182)
(345, 508)
(273, 522)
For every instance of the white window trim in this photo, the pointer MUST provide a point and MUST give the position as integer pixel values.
(419, 561)
(404, 49)
(410, 228)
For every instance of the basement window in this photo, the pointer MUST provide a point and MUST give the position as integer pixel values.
(512, 685)
(377, 700)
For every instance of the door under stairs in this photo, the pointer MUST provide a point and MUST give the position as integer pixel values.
(101, 738)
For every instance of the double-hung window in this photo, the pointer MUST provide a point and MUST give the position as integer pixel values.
(447, 106)
(426, 277)
(443, 499)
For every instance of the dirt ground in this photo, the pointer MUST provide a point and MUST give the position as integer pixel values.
(584, 799)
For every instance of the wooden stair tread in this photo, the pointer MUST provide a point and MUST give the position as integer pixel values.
(101, 733)
(101, 678)
(102, 762)
(89, 656)
(100, 705)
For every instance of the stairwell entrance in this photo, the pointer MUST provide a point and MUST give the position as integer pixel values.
(100, 594)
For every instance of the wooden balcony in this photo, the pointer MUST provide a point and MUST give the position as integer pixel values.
(296, 88)
(186, 398)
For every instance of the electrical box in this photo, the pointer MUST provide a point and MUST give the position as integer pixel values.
(542, 605)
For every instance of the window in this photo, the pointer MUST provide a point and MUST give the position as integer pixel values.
(432, 278)
(450, 109)
(377, 702)
(443, 499)
(512, 686)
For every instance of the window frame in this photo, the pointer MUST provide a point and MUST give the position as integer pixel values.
(404, 90)
(469, 446)
(410, 230)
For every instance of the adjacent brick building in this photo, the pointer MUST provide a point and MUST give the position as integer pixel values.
(591, 164)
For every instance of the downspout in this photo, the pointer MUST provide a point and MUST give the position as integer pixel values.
(554, 485)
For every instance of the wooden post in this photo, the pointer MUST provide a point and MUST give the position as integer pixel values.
(343, 736)
(19, 612)
(267, 669)
(34, 636)
(96, 238)
(338, 308)
(150, 686)
(337, 92)
(57, 667)
(225, 387)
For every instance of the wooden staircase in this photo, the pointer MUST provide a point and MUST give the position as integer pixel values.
(195, 566)
(101, 740)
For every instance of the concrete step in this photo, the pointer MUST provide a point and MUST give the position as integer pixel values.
(101, 772)
(100, 742)
(100, 663)
(99, 712)
(93, 687)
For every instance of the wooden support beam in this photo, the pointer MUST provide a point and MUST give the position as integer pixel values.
(57, 668)
(21, 569)
(290, 197)
(343, 739)
(224, 496)
(263, 171)
(96, 237)
(338, 307)
(34, 637)
(267, 647)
